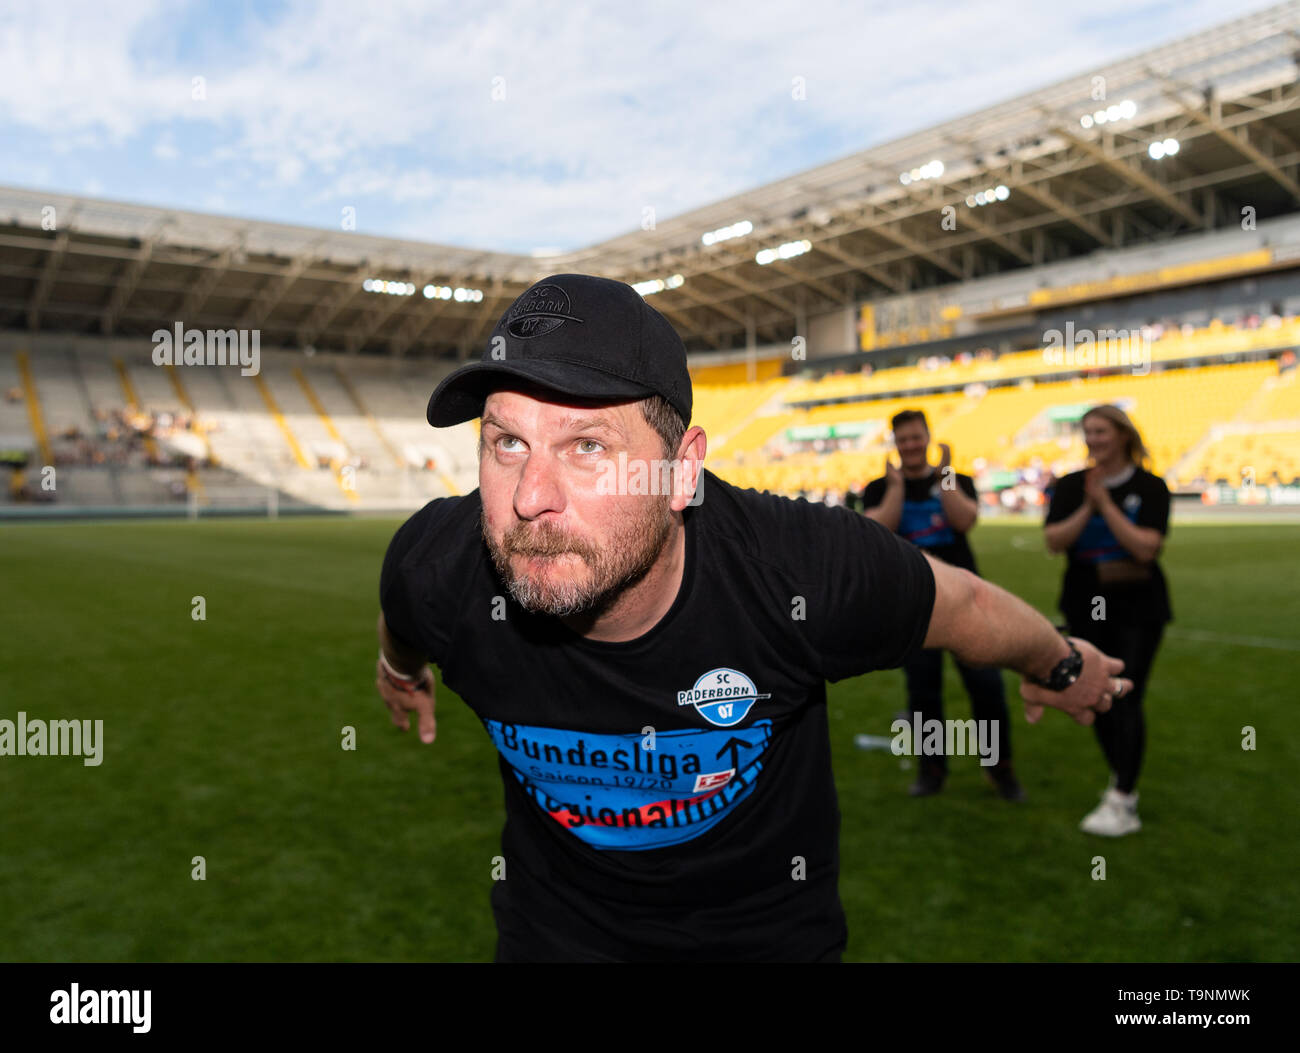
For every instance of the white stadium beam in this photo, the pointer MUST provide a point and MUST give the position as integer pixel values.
(1132, 174)
(832, 248)
(913, 245)
(385, 307)
(46, 281)
(130, 278)
(1237, 138)
(272, 292)
(342, 297)
(209, 278)
(969, 217)
(755, 290)
(1050, 201)
(414, 328)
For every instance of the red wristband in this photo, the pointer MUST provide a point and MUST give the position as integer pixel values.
(410, 684)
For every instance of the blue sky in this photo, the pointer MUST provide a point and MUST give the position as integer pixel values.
(511, 125)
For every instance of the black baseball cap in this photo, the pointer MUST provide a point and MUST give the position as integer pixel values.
(574, 334)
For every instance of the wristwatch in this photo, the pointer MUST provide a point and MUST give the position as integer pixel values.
(1065, 673)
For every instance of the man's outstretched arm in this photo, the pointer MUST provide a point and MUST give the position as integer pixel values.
(983, 624)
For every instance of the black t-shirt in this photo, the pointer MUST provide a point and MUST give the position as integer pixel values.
(1099, 566)
(923, 521)
(722, 840)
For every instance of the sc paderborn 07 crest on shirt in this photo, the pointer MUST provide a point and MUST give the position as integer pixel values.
(722, 696)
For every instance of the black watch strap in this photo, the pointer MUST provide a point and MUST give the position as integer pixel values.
(1065, 673)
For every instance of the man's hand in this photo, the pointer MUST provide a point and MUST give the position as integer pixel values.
(893, 474)
(402, 700)
(1092, 693)
(406, 686)
(960, 510)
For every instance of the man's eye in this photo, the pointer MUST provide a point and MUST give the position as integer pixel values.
(588, 446)
(502, 443)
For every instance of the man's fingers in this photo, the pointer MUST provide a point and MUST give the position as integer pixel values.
(388, 694)
(395, 712)
(424, 707)
(402, 703)
(1033, 709)
(1037, 697)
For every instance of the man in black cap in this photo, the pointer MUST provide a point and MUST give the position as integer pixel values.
(650, 655)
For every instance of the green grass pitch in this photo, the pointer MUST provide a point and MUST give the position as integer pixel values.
(222, 739)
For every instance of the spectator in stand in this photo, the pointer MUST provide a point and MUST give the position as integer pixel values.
(18, 484)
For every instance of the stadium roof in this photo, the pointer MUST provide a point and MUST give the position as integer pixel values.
(1076, 160)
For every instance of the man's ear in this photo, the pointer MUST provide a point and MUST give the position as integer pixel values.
(688, 471)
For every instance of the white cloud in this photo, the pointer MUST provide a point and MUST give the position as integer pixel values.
(607, 108)
(288, 170)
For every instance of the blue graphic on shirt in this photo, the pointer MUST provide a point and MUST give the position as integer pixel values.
(923, 523)
(1097, 542)
(611, 791)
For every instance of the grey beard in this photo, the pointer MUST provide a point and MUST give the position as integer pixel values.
(591, 599)
(537, 600)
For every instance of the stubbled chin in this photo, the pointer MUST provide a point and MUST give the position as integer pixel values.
(553, 584)
(547, 561)
(548, 570)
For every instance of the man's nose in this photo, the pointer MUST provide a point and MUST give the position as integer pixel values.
(538, 490)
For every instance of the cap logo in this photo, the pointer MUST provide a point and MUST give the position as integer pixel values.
(542, 309)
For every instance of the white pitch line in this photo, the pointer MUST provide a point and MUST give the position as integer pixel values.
(1243, 641)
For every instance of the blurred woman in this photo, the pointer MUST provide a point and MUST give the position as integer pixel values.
(1111, 520)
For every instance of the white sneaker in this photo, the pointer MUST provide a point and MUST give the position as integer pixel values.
(1114, 817)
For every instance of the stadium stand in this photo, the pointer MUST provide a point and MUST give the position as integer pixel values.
(123, 431)
(1027, 423)
(333, 434)
(1099, 271)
